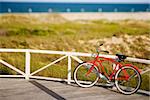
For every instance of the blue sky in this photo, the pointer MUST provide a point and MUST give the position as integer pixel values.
(91, 1)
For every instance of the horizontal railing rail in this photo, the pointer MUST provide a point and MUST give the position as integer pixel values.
(73, 54)
(69, 55)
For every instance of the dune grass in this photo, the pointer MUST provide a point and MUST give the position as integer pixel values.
(52, 32)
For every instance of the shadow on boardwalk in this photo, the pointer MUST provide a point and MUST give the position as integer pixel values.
(20, 89)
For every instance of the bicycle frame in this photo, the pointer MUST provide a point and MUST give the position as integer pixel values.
(117, 64)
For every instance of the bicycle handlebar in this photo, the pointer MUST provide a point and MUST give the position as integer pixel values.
(106, 51)
(97, 49)
(101, 44)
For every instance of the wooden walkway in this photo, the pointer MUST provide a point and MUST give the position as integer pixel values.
(20, 89)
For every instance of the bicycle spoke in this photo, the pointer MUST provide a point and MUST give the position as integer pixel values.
(131, 76)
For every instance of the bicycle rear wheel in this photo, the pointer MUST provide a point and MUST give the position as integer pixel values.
(130, 83)
(81, 77)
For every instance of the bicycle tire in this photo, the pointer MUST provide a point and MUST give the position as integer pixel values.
(121, 86)
(81, 80)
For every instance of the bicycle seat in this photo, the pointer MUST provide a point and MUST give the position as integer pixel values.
(121, 56)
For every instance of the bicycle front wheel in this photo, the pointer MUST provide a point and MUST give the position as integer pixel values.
(82, 78)
(127, 80)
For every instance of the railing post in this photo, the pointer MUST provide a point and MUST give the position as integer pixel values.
(69, 69)
(27, 64)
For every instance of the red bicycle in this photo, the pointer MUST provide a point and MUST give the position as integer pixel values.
(126, 77)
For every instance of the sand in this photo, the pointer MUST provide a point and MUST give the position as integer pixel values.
(107, 16)
(72, 16)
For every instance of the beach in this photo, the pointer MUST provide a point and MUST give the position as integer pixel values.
(111, 16)
(108, 16)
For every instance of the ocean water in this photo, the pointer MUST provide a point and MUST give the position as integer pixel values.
(25, 7)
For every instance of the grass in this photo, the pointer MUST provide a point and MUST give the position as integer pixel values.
(52, 32)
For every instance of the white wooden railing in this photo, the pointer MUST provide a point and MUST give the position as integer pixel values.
(70, 55)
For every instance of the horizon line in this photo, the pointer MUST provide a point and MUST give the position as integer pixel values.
(78, 1)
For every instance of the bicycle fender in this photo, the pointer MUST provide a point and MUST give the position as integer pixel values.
(81, 63)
